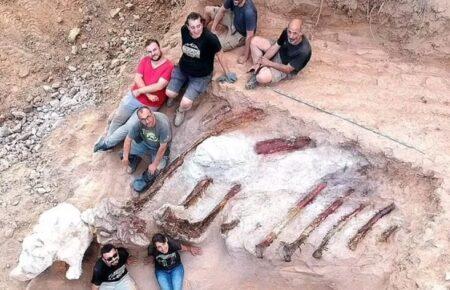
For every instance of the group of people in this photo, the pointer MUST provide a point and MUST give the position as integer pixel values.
(111, 273)
(147, 133)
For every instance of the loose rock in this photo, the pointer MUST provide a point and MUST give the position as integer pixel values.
(114, 12)
(73, 34)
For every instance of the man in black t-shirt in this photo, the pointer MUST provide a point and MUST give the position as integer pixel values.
(283, 59)
(196, 65)
(110, 271)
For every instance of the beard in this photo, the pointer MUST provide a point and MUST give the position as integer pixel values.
(157, 57)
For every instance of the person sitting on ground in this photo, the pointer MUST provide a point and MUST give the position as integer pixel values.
(150, 137)
(169, 270)
(150, 81)
(196, 64)
(281, 60)
(240, 22)
(110, 271)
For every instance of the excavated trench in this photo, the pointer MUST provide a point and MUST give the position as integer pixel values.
(280, 193)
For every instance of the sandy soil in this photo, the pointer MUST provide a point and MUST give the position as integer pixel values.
(403, 101)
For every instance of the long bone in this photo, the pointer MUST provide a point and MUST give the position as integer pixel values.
(288, 249)
(187, 230)
(362, 232)
(292, 213)
(335, 229)
(197, 192)
(283, 145)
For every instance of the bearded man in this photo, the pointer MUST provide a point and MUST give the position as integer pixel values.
(152, 76)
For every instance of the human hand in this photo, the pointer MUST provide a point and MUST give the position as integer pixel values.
(229, 77)
(153, 98)
(195, 250)
(242, 59)
(135, 92)
(152, 168)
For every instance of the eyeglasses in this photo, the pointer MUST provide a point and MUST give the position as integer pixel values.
(146, 119)
(113, 257)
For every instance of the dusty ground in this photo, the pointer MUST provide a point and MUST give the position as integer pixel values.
(402, 98)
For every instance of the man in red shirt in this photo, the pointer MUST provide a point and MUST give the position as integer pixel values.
(151, 78)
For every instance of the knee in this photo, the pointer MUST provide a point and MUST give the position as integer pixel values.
(171, 94)
(255, 41)
(185, 104)
(264, 76)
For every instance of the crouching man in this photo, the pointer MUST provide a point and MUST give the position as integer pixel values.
(110, 271)
(281, 60)
(148, 138)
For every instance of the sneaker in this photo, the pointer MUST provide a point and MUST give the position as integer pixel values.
(170, 102)
(100, 145)
(179, 118)
(143, 183)
(251, 83)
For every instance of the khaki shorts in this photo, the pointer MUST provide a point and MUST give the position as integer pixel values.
(232, 38)
(276, 74)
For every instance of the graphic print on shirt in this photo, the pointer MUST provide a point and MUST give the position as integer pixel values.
(150, 135)
(117, 274)
(191, 50)
(167, 260)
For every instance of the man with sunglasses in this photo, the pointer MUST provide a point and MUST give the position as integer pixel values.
(110, 272)
(150, 137)
(151, 78)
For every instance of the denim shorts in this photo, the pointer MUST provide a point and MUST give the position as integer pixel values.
(195, 85)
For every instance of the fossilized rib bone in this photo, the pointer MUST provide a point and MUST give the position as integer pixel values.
(362, 232)
(279, 145)
(226, 227)
(387, 233)
(184, 229)
(289, 248)
(197, 192)
(293, 212)
(335, 229)
(229, 122)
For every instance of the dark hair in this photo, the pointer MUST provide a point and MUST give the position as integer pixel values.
(194, 16)
(150, 41)
(106, 249)
(142, 109)
(158, 238)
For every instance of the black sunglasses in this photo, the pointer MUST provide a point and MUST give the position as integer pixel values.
(112, 257)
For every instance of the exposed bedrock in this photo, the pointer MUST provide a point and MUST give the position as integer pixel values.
(59, 235)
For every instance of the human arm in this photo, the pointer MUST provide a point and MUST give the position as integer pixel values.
(126, 150)
(159, 155)
(192, 249)
(138, 80)
(161, 84)
(95, 287)
(222, 62)
(286, 68)
(243, 58)
(218, 18)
